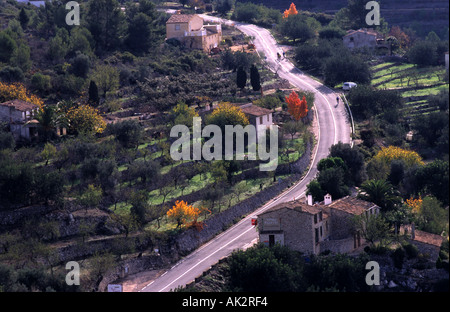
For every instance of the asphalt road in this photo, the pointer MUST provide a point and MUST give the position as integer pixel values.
(334, 126)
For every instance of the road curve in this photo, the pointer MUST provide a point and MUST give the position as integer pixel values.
(334, 126)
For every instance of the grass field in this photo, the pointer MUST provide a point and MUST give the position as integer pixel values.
(415, 84)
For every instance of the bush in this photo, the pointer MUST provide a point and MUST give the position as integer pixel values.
(41, 82)
(411, 251)
(6, 140)
(11, 74)
(398, 256)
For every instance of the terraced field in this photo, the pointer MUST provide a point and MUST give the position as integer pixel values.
(415, 84)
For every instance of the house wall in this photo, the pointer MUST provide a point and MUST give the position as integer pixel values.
(360, 40)
(8, 114)
(195, 23)
(341, 224)
(297, 229)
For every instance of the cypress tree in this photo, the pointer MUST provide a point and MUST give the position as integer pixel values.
(255, 79)
(241, 79)
(23, 18)
(93, 93)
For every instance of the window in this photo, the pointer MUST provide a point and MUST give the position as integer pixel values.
(177, 26)
(316, 232)
(321, 232)
(315, 219)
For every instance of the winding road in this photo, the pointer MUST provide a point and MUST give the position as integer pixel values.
(334, 126)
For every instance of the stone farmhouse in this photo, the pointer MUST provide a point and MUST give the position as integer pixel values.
(257, 116)
(314, 228)
(364, 38)
(20, 117)
(190, 31)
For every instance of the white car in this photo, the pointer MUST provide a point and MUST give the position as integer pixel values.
(348, 85)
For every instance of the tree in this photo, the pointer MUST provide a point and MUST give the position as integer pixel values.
(129, 133)
(332, 181)
(7, 47)
(93, 93)
(292, 127)
(182, 213)
(432, 217)
(241, 78)
(423, 53)
(227, 114)
(80, 65)
(291, 11)
(85, 119)
(433, 179)
(139, 206)
(106, 22)
(106, 77)
(21, 58)
(140, 34)
(429, 127)
(91, 197)
(373, 228)
(41, 82)
(23, 18)
(315, 190)
(296, 107)
(48, 152)
(402, 38)
(255, 79)
(381, 193)
(299, 27)
(339, 68)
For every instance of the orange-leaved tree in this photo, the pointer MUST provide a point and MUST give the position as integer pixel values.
(292, 11)
(296, 107)
(182, 213)
(414, 204)
(17, 91)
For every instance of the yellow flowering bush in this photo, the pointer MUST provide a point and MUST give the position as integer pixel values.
(17, 91)
(390, 153)
(85, 119)
(227, 114)
(414, 204)
(181, 212)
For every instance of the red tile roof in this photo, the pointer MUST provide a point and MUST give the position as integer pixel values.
(256, 111)
(20, 105)
(351, 205)
(297, 205)
(180, 18)
(428, 238)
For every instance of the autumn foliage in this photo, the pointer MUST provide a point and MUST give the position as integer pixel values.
(292, 11)
(296, 107)
(17, 91)
(183, 213)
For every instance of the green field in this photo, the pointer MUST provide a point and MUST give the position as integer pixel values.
(415, 84)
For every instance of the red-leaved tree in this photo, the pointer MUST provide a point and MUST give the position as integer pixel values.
(296, 107)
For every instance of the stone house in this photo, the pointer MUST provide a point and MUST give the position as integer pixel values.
(190, 31)
(363, 38)
(20, 117)
(258, 116)
(427, 243)
(314, 228)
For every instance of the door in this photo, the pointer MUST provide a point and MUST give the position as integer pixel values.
(271, 240)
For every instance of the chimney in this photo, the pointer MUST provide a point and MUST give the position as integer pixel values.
(327, 199)
(310, 200)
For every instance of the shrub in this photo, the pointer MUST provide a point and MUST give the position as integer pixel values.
(398, 256)
(41, 82)
(411, 251)
(11, 74)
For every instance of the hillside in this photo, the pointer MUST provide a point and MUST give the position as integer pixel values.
(421, 15)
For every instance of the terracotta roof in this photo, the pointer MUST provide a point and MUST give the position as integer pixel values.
(428, 238)
(363, 31)
(20, 105)
(180, 18)
(256, 111)
(297, 205)
(351, 205)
